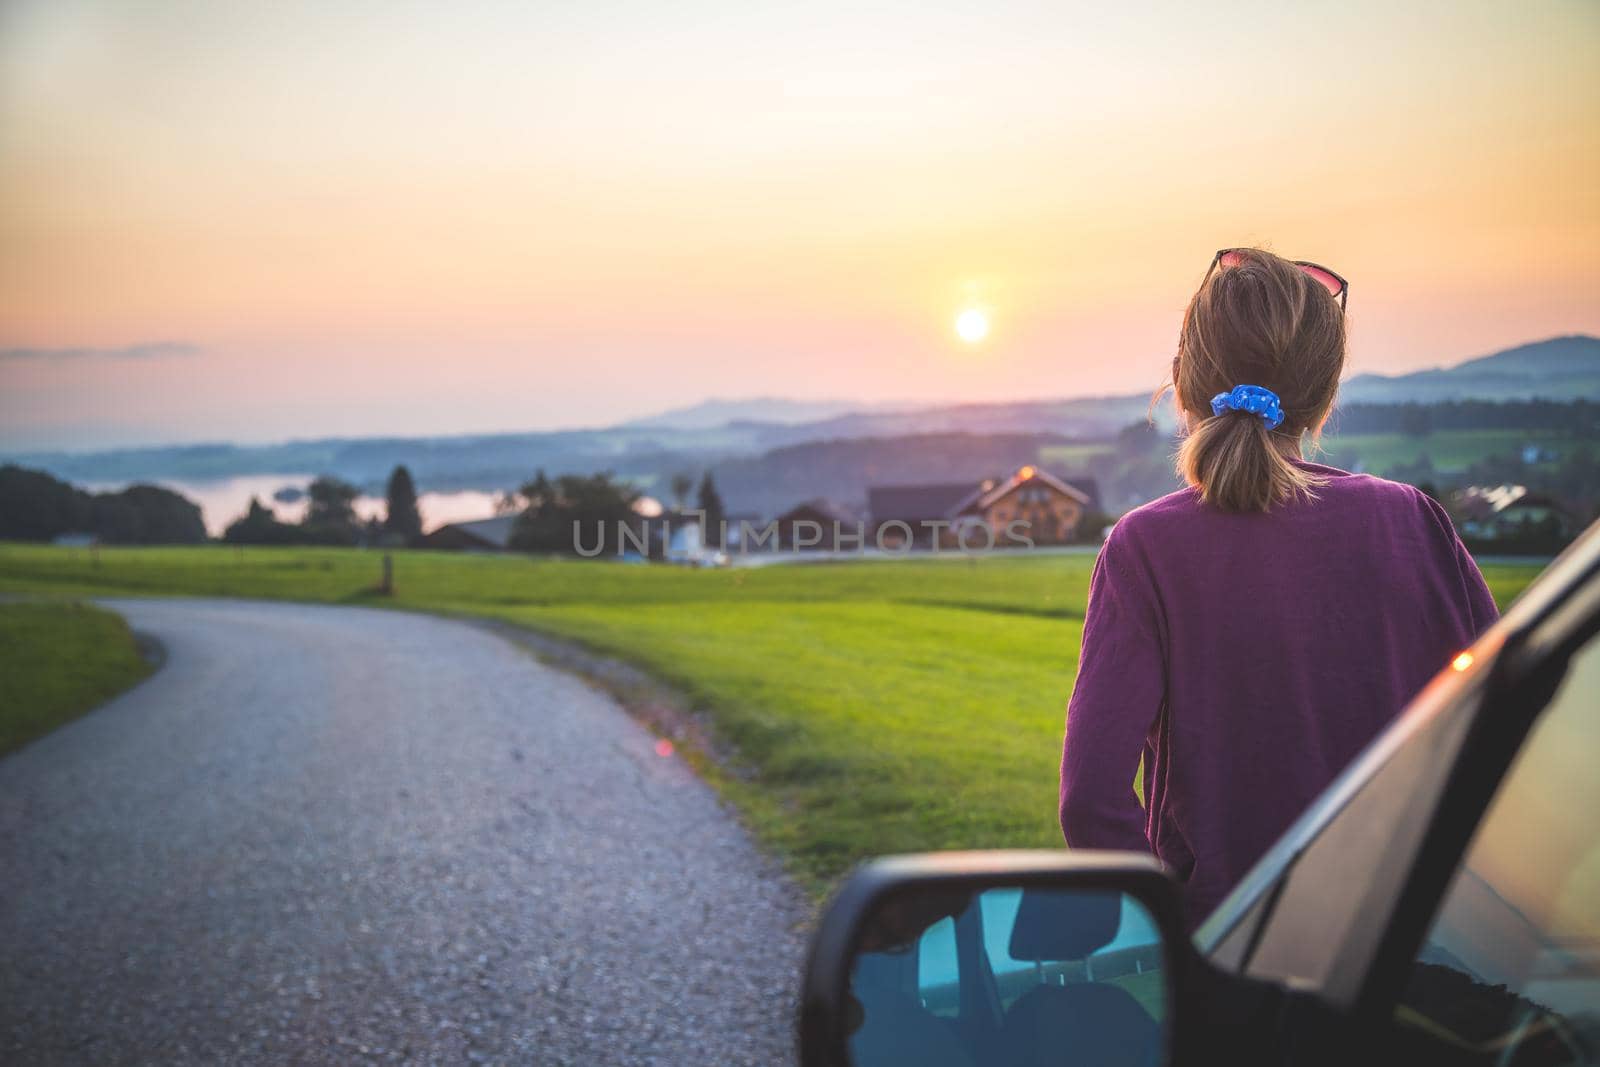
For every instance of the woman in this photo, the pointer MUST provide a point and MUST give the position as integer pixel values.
(1249, 634)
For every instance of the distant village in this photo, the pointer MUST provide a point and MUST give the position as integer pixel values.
(597, 516)
(1508, 443)
(1030, 507)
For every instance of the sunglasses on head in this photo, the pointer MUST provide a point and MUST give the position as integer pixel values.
(1232, 257)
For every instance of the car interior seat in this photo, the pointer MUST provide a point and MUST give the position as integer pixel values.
(1080, 1022)
(895, 1028)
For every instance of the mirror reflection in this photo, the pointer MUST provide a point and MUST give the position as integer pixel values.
(1008, 976)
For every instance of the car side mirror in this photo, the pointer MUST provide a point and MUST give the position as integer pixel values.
(1019, 959)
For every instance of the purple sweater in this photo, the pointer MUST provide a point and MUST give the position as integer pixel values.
(1248, 659)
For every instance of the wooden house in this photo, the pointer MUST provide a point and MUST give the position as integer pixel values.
(1046, 509)
(819, 525)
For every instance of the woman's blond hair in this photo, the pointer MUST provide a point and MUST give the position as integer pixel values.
(1259, 321)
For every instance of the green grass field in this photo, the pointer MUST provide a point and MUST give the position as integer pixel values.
(872, 706)
(1375, 453)
(1447, 450)
(58, 660)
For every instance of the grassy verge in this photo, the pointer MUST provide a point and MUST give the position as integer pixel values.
(58, 660)
(870, 707)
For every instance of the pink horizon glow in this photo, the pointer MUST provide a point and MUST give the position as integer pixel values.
(363, 219)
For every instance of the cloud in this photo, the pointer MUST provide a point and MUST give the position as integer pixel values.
(148, 350)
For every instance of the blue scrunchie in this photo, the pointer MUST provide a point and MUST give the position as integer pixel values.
(1251, 398)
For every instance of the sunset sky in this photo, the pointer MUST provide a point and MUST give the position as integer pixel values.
(259, 221)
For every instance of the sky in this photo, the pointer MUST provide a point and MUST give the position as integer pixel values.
(252, 222)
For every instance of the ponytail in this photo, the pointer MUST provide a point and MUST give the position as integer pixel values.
(1240, 465)
(1261, 326)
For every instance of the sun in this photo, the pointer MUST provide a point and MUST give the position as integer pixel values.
(972, 325)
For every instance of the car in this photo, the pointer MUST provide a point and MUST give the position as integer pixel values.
(1438, 904)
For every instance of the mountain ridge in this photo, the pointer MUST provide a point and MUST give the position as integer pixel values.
(1565, 367)
(724, 411)
(1558, 368)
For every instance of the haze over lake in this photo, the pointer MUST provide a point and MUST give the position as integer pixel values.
(226, 499)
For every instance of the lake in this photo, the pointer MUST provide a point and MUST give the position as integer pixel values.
(226, 499)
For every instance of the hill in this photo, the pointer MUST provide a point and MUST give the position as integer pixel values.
(843, 469)
(709, 414)
(1084, 417)
(646, 453)
(1561, 368)
(736, 436)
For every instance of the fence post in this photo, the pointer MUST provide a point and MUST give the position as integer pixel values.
(386, 587)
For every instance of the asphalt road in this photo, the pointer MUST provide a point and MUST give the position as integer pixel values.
(325, 834)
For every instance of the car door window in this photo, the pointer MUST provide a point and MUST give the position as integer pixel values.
(1510, 972)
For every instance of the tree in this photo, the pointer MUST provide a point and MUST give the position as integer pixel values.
(573, 510)
(146, 515)
(1415, 421)
(1138, 438)
(710, 502)
(331, 513)
(402, 519)
(36, 507)
(259, 526)
(681, 484)
(1417, 472)
(1092, 525)
(535, 493)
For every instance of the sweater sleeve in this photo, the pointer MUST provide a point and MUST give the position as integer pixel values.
(1477, 602)
(1115, 702)
(1480, 602)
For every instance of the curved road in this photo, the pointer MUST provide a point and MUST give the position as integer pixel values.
(327, 834)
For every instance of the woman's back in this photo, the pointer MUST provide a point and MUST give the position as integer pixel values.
(1273, 647)
(1246, 637)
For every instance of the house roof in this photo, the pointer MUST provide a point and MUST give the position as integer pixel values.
(494, 531)
(1480, 501)
(1494, 504)
(826, 509)
(916, 503)
(1088, 487)
(1022, 477)
(1537, 500)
